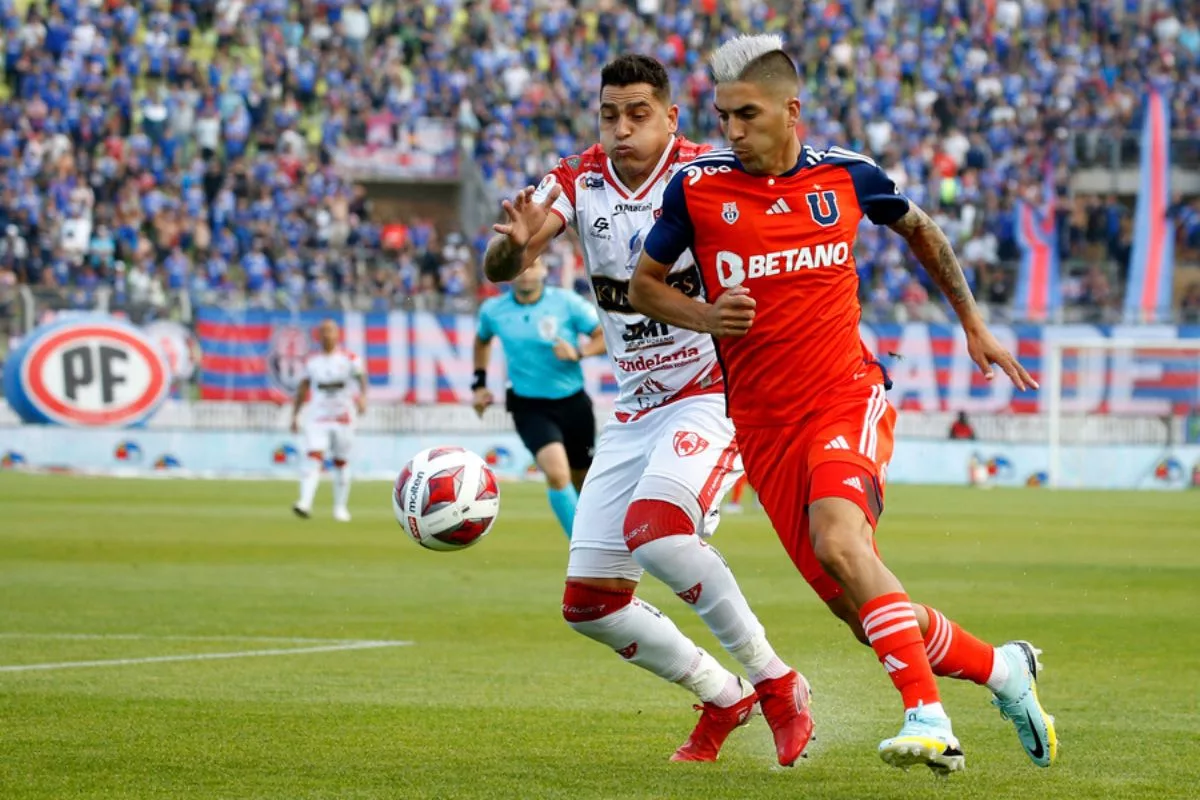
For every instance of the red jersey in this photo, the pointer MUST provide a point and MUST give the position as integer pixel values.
(789, 239)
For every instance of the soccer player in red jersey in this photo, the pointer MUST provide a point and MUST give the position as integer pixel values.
(667, 455)
(772, 225)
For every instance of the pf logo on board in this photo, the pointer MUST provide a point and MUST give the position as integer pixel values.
(87, 372)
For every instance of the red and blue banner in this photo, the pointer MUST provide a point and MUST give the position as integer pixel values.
(1039, 294)
(258, 355)
(421, 357)
(932, 371)
(1152, 262)
(411, 357)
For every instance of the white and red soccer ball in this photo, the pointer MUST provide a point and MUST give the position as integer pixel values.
(446, 498)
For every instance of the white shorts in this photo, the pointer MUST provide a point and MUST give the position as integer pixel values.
(684, 453)
(334, 438)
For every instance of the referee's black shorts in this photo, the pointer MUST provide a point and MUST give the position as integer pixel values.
(568, 421)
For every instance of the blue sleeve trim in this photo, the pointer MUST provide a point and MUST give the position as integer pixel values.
(878, 196)
(673, 233)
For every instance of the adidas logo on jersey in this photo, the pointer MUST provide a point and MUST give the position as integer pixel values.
(893, 664)
(839, 443)
(854, 483)
(780, 206)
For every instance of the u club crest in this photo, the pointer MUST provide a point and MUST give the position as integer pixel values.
(729, 213)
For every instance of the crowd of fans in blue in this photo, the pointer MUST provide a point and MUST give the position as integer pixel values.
(165, 146)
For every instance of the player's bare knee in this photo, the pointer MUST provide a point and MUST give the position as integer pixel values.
(558, 480)
(840, 551)
(841, 537)
(552, 461)
(558, 474)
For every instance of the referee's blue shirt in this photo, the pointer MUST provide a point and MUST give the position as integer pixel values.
(528, 332)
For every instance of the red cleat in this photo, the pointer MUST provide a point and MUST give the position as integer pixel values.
(714, 727)
(785, 703)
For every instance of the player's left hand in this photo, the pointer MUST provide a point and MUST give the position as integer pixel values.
(732, 315)
(565, 350)
(985, 350)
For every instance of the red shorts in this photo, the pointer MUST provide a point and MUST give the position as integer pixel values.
(841, 450)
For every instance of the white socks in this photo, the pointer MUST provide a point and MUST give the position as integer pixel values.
(699, 575)
(642, 635)
(711, 682)
(930, 710)
(760, 661)
(341, 486)
(1000, 672)
(310, 478)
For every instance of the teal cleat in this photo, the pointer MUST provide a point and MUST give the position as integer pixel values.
(925, 739)
(1018, 703)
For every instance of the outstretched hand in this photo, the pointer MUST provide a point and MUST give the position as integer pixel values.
(525, 216)
(732, 314)
(985, 350)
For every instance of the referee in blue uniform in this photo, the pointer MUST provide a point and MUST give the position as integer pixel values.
(540, 328)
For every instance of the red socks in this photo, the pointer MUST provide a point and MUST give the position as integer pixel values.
(891, 627)
(955, 653)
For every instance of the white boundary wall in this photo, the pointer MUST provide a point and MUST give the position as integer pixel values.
(259, 454)
(451, 419)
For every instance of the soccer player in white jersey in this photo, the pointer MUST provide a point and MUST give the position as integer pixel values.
(339, 395)
(667, 455)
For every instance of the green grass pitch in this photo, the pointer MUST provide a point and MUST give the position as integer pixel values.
(496, 698)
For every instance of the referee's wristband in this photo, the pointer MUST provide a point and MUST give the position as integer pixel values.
(480, 380)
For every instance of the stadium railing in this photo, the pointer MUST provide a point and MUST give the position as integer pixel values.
(1096, 148)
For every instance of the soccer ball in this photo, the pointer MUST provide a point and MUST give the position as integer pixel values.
(446, 498)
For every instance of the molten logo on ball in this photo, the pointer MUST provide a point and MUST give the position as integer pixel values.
(446, 498)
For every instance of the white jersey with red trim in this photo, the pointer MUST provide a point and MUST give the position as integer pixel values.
(333, 384)
(654, 364)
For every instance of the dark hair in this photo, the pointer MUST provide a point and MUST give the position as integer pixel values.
(636, 68)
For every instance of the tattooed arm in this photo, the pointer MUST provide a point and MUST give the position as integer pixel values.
(933, 250)
(523, 237)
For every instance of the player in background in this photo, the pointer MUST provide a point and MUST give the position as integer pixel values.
(772, 224)
(734, 506)
(339, 393)
(539, 327)
(667, 455)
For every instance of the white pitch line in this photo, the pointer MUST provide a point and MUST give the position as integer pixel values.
(117, 662)
(172, 638)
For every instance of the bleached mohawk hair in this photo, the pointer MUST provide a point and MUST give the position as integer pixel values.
(730, 60)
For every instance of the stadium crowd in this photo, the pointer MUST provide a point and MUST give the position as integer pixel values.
(158, 147)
